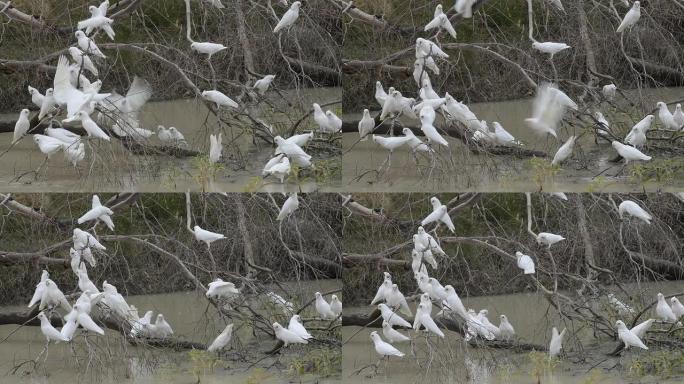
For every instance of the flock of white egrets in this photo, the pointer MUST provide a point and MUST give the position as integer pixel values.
(549, 106)
(392, 303)
(113, 306)
(75, 94)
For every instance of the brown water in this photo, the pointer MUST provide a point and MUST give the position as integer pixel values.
(463, 171)
(450, 360)
(110, 167)
(191, 318)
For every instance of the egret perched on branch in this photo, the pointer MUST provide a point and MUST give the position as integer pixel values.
(296, 327)
(288, 18)
(382, 348)
(287, 336)
(222, 340)
(289, 206)
(440, 212)
(98, 212)
(633, 209)
(207, 236)
(556, 342)
(262, 84)
(525, 263)
(631, 17)
(628, 337)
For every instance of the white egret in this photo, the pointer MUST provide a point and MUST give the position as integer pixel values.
(288, 18)
(382, 348)
(289, 206)
(391, 317)
(506, 330)
(287, 336)
(549, 239)
(525, 263)
(628, 337)
(296, 327)
(663, 310)
(556, 342)
(633, 209)
(220, 99)
(262, 84)
(221, 290)
(366, 125)
(222, 340)
(392, 335)
(564, 152)
(22, 125)
(207, 236)
(631, 17)
(440, 212)
(323, 308)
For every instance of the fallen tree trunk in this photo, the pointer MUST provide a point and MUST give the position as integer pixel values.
(384, 127)
(374, 320)
(134, 146)
(28, 318)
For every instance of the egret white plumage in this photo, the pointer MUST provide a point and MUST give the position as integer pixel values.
(548, 239)
(98, 212)
(220, 99)
(382, 348)
(22, 125)
(97, 20)
(293, 151)
(222, 290)
(677, 307)
(50, 333)
(286, 336)
(215, 148)
(336, 305)
(296, 327)
(441, 21)
(366, 125)
(556, 343)
(629, 153)
(391, 334)
(52, 297)
(663, 310)
(288, 18)
(207, 48)
(391, 317)
(564, 152)
(631, 17)
(426, 321)
(628, 337)
(525, 263)
(289, 206)
(395, 299)
(506, 330)
(222, 340)
(323, 308)
(440, 212)
(609, 91)
(87, 45)
(550, 47)
(633, 209)
(40, 287)
(207, 237)
(334, 122)
(666, 117)
(262, 84)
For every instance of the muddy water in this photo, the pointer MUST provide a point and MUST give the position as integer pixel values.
(110, 167)
(458, 169)
(450, 360)
(192, 319)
